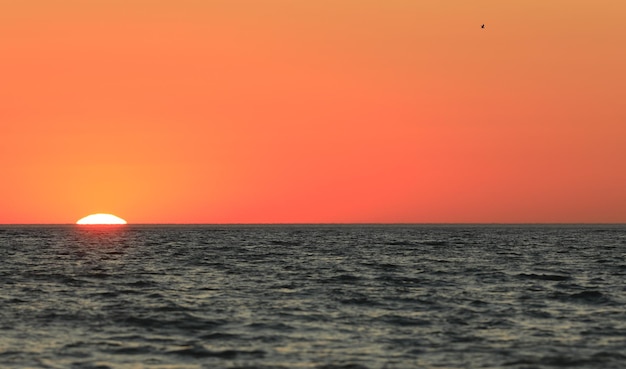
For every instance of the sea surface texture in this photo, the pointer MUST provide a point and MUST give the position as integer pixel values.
(344, 297)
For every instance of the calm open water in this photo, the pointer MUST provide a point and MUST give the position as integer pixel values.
(346, 297)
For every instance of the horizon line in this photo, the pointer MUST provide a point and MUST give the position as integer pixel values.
(319, 223)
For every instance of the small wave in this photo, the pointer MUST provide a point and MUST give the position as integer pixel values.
(97, 275)
(541, 314)
(107, 295)
(418, 243)
(272, 326)
(285, 243)
(96, 366)
(401, 243)
(54, 278)
(562, 361)
(157, 296)
(387, 266)
(342, 366)
(358, 301)
(590, 297)
(604, 356)
(401, 280)
(545, 277)
(14, 300)
(131, 350)
(12, 353)
(201, 352)
(219, 336)
(602, 230)
(56, 316)
(404, 321)
(381, 266)
(184, 322)
(434, 243)
(343, 278)
(478, 303)
(141, 284)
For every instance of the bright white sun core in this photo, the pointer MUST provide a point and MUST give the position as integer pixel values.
(101, 219)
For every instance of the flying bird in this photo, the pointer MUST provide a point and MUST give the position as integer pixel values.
(483, 26)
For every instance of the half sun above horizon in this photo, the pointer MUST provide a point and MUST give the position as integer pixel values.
(101, 218)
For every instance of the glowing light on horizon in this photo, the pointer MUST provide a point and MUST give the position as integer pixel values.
(101, 218)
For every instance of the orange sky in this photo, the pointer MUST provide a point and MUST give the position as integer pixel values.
(239, 111)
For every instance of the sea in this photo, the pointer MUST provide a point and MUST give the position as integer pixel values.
(313, 296)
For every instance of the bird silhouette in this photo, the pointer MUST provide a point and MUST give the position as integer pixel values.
(483, 26)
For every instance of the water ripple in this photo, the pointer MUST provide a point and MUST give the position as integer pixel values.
(331, 297)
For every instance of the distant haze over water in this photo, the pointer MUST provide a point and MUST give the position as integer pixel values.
(304, 296)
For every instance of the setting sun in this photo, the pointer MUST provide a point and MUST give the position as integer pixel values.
(101, 219)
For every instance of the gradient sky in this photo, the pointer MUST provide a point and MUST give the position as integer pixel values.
(238, 111)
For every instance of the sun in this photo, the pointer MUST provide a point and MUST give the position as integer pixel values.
(101, 219)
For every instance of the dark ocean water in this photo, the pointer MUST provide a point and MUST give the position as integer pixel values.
(346, 297)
